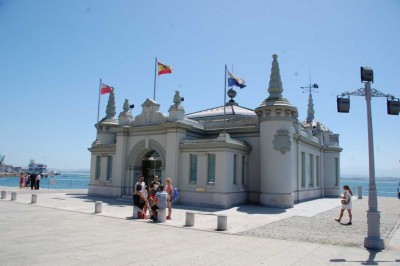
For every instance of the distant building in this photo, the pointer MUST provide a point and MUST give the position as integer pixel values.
(37, 167)
(8, 168)
(17, 169)
(263, 156)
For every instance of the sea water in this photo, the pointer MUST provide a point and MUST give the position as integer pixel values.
(386, 187)
(66, 180)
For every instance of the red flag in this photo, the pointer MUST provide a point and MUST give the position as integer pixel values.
(164, 69)
(105, 89)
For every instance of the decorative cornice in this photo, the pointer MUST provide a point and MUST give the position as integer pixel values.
(277, 112)
(103, 148)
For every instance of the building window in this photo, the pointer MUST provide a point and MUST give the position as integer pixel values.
(317, 169)
(243, 170)
(311, 169)
(109, 167)
(193, 169)
(97, 173)
(336, 171)
(235, 158)
(211, 168)
(303, 169)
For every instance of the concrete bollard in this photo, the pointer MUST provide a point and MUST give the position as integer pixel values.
(3, 194)
(161, 215)
(222, 221)
(189, 219)
(13, 196)
(136, 209)
(98, 207)
(360, 192)
(34, 199)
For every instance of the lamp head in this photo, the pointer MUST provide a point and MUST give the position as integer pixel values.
(367, 74)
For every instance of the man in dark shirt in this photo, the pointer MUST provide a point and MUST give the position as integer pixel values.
(32, 176)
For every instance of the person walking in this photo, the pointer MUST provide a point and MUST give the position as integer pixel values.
(346, 204)
(170, 190)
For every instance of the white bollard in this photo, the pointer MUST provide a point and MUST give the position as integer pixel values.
(98, 207)
(222, 221)
(13, 196)
(161, 215)
(136, 209)
(34, 199)
(189, 219)
(360, 192)
(3, 194)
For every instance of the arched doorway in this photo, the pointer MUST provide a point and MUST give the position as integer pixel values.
(144, 159)
(151, 166)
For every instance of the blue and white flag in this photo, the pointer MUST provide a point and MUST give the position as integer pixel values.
(235, 81)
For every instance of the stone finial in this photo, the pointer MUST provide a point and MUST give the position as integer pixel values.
(126, 106)
(176, 111)
(310, 110)
(125, 117)
(177, 98)
(275, 84)
(110, 111)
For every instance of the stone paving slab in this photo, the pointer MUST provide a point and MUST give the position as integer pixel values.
(241, 218)
(47, 236)
(266, 235)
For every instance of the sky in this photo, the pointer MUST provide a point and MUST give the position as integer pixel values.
(53, 54)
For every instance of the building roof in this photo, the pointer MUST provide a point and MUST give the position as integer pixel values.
(219, 112)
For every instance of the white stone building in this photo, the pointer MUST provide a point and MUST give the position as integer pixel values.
(264, 156)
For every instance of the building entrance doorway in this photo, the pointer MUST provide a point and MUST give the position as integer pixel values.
(151, 166)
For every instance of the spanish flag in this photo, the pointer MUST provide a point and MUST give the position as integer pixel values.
(164, 69)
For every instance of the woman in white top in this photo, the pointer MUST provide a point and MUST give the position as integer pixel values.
(346, 203)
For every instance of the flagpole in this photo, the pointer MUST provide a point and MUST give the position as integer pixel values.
(155, 79)
(98, 111)
(225, 101)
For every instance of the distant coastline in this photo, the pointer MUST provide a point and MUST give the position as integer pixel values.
(364, 178)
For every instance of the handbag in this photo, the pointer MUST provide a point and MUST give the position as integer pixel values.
(140, 215)
(345, 201)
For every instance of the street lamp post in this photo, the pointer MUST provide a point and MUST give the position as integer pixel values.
(373, 240)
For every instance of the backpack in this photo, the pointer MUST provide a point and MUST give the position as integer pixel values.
(175, 194)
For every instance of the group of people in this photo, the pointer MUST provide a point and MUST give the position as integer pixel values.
(156, 197)
(32, 180)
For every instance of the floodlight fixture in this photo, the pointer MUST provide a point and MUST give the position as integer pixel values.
(393, 106)
(343, 104)
(367, 74)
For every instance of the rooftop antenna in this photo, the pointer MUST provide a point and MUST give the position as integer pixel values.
(310, 89)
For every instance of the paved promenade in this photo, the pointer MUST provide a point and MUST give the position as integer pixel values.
(61, 228)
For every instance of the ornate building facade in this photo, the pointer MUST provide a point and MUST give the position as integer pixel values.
(263, 156)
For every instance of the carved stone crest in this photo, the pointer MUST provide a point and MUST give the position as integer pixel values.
(282, 141)
(150, 114)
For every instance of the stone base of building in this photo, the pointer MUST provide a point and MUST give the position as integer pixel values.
(277, 200)
(333, 192)
(216, 200)
(104, 191)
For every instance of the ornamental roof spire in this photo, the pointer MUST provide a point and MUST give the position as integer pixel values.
(310, 110)
(275, 84)
(110, 111)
